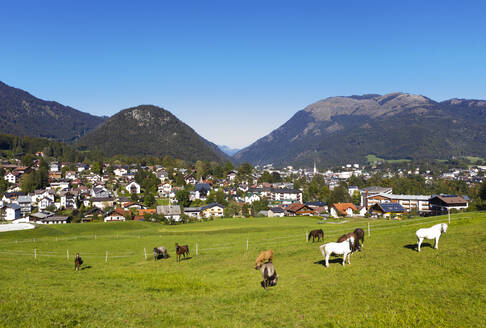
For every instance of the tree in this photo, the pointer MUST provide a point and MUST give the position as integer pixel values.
(245, 210)
(182, 197)
(340, 194)
(356, 198)
(482, 190)
(265, 177)
(28, 160)
(96, 168)
(149, 200)
(244, 171)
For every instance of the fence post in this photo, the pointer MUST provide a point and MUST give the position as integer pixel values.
(247, 244)
(145, 252)
(106, 257)
(368, 229)
(35, 253)
(196, 248)
(67, 253)
(306, 237)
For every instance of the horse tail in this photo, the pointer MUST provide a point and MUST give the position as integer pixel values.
(310, 235)
(323, 250)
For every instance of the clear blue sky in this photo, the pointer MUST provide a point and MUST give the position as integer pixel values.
(236, 70)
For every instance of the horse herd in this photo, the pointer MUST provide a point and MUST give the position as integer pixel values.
(345, 246)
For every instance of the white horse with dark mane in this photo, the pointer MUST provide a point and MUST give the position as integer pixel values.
(343, 248)
(433, 232)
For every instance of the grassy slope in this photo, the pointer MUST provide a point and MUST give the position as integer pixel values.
(386, 285)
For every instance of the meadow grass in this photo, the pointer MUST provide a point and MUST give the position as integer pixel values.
(388, 284)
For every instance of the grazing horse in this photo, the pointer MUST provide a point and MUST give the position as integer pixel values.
(433, 232)
(269, 275)
(359, 236)
(316, 234)
(77, 262)
(161, 250)
(343, 248)
(263, 257)
(181, 250)
(348, 236)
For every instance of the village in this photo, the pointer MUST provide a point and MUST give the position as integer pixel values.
(79, 192)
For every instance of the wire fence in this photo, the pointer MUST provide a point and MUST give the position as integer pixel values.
(243, 245)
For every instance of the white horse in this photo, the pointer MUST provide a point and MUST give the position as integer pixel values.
(343, 248)
(433, 232)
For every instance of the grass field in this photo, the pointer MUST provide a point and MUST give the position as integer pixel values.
(374, 159)
(388, 284)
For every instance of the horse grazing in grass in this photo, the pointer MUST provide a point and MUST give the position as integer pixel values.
(263, 257)
(269, 275)
(77, 262)
(343, 248)
(359, 236)
(181, 250)
(158, 251)
(348, 236)
(316, 234)
(433, 232)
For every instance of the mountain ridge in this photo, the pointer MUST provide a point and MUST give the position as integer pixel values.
(23, 114)
(337, 130)
(148, 130)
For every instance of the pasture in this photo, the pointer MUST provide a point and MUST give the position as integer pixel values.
(388, 284)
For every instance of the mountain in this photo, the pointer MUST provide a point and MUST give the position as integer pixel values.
(148, 130)
(227, 150)
(25, 115)
(341, 130)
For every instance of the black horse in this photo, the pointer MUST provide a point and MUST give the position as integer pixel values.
(77, 262)
(360, 236)
(316, 234)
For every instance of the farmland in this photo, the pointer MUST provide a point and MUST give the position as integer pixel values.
(388, 284)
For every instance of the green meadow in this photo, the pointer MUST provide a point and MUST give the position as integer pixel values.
(388, 284)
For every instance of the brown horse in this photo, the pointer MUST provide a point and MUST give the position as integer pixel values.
(346, 237)
(360, 234)
(316, 234)
(181, 250)
(77, 262)
(263, 257)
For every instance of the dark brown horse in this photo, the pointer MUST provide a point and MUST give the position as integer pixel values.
(360, 234)
(77, 262)
(181, 250)
(346, 237)
(316, 234)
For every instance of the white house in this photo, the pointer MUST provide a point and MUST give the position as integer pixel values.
(172, 212)
(251, 197)
(44, 203)
(12, 212)
(120, 171)
(276, 212)
(10, 177)
(133, 187)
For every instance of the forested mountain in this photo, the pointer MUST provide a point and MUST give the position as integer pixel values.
(25, 115)
(341, 130)
(148, 130)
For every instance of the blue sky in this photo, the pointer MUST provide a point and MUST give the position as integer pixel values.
(236, 70)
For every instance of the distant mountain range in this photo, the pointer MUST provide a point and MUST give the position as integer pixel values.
(148, 130)
(341, 130)
(228, 151)
(25, 115)
(332, 131)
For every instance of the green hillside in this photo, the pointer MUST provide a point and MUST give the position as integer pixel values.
(148, 130)
(388, 284)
